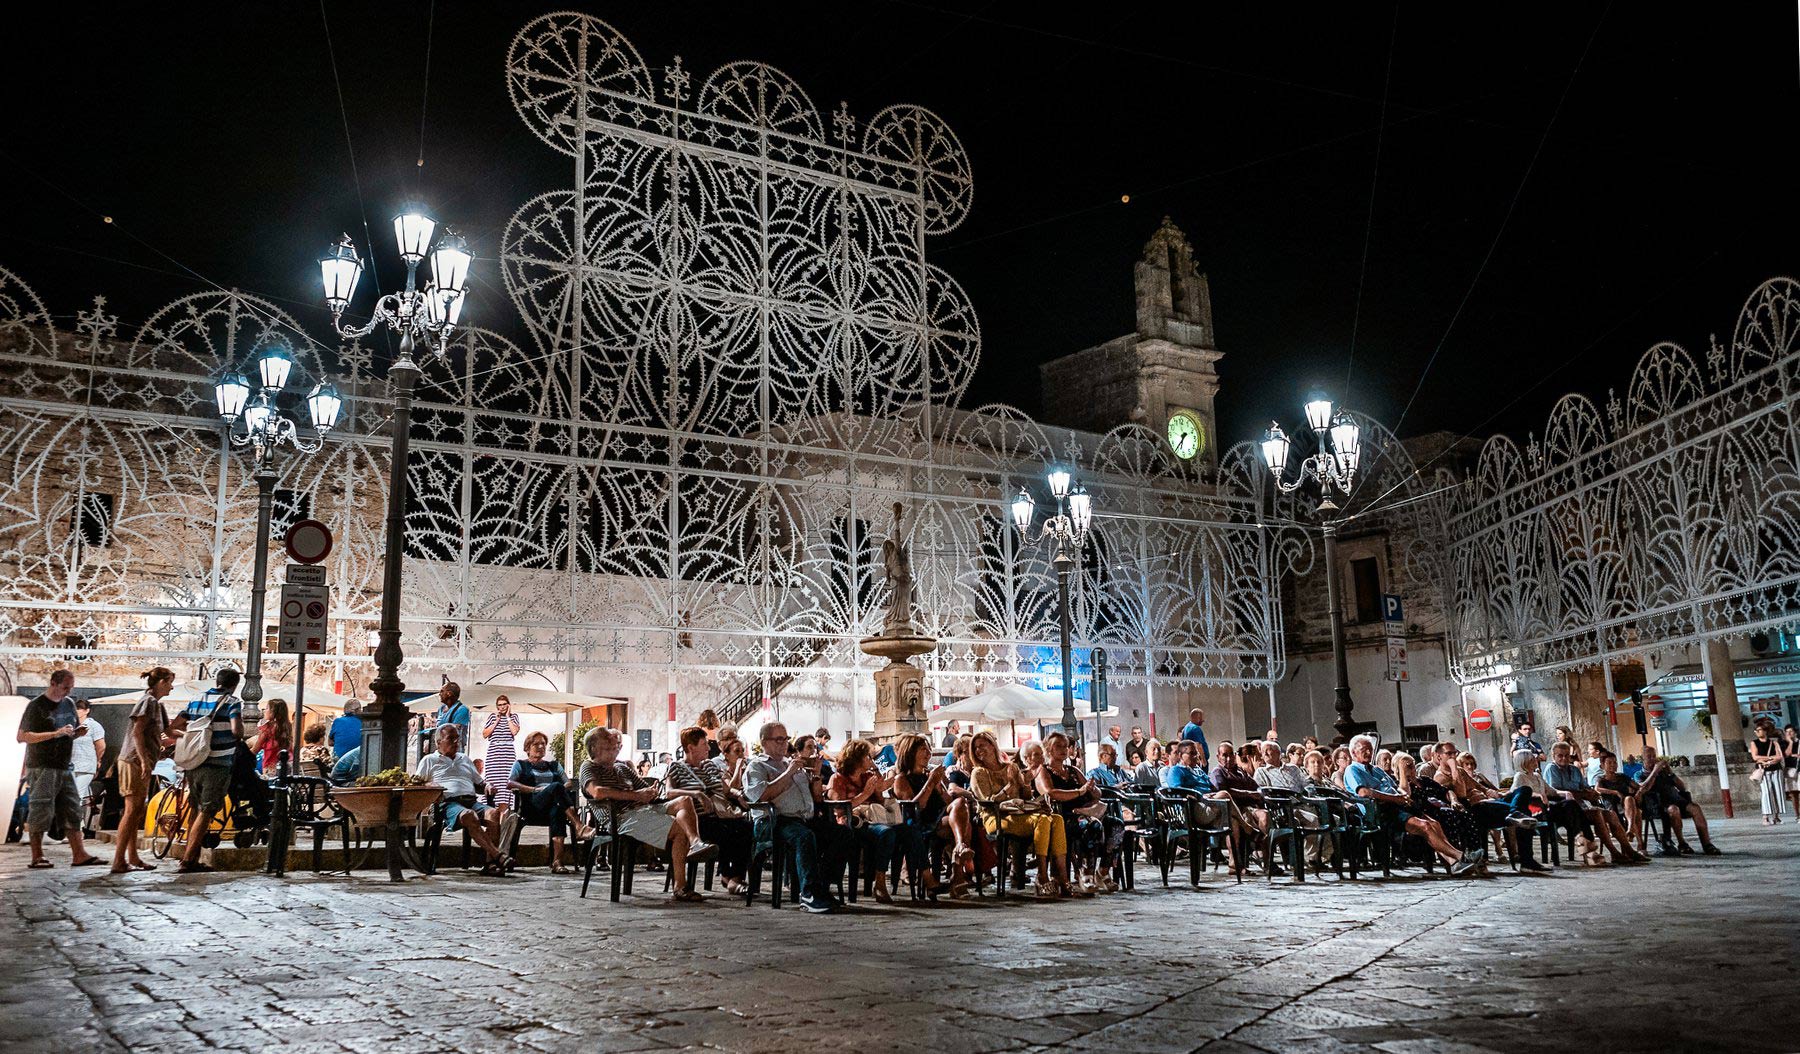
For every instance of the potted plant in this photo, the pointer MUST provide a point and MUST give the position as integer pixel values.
(369, 801)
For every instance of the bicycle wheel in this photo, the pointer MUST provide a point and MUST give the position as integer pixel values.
(170, 823)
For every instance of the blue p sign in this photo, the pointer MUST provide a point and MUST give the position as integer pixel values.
(1391, 611)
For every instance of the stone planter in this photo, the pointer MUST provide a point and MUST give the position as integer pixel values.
(369, 806)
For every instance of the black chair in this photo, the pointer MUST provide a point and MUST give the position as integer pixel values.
(935, 860)
(1368, 831)
(603, 817)
(1138, 826)
(310, 808)
(1010, 850)
(1285, 828)
(766, 845)
(1334, 823)
(430, 838)
(1175, 821)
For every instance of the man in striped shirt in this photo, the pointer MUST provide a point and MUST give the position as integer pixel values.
(690, 776)
(208, 783)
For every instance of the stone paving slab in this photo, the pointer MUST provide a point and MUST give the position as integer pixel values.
(1691, 954)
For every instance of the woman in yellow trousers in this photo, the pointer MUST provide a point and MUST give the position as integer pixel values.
(994, 780)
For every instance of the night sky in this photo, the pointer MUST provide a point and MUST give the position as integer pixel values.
(1657, 201)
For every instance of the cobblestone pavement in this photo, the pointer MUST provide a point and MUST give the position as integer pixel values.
(1692, 954)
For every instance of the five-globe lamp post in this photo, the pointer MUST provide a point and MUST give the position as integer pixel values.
(255, 420)
(418, 316)
(1333, 466)
(1067, 531)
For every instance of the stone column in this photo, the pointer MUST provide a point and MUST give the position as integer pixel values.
(1729, 748)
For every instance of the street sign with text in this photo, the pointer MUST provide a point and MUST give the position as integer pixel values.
(305, 605)
(1396, 649)
(1391, 609)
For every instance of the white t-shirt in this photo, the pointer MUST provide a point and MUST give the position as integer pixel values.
(83, 756)
(456, 773)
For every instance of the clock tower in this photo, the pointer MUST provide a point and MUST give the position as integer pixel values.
(1161, 376)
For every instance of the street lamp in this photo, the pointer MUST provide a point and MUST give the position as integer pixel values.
(419, 315)
(1333, 465)
(254, 420)
(1067, 530)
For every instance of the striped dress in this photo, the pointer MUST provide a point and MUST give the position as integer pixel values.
(501, 754)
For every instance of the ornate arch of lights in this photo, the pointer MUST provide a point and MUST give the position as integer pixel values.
(1663, 519)
(742, 360)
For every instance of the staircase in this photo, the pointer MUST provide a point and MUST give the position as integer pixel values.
(747, 697)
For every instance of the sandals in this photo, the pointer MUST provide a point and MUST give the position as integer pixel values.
(686, 896)
(40, 865)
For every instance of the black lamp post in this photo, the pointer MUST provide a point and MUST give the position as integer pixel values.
(419, 316)
(1333, 466)
(1067, 530)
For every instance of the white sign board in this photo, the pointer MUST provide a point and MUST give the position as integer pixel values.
(305, 603)
(1396, 649)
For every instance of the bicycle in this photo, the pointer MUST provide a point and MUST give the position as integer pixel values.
(172, 822)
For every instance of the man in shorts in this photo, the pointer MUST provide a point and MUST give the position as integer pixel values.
(49, 729)
(208, 782)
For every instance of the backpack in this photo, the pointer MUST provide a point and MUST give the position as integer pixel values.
(196, 741)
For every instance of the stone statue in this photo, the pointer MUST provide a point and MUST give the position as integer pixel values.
(896, 561)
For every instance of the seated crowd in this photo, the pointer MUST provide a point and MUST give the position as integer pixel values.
(948, 823)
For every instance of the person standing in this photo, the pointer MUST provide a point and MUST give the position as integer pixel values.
(208, 781)
(86, 754)
(501, 728)
(274, 734)
(1133, 751)
(48, 729)
(1193, 732)
(1766, 753)
(145, 740)
(346, 729)
(450, 711)
(951, 731)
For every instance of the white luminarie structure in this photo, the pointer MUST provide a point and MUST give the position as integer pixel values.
(743, 359)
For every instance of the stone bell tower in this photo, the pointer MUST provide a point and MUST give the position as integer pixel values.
(1164, 370)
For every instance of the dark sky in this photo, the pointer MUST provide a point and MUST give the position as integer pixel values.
(1657, 202)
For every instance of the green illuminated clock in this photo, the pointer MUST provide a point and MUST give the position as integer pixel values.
(1187, 435)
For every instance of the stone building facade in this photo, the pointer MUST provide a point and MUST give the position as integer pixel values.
(1166, 365)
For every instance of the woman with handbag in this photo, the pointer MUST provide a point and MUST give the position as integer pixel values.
(883, 823)
(1077, 799)
(940, 810)
(1016, 809)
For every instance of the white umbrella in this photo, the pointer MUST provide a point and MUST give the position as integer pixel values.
(524, 700)
(315, 697)
(1009, 702)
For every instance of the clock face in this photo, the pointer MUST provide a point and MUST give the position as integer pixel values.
(1187, 436)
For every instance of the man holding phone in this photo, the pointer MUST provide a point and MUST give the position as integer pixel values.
(49, 729)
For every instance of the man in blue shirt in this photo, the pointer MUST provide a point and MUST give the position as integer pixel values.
(784, 781)
(346, 731)
(1108, 773)
(1193, 733)
(1381, 799)
(208, 782)
(450, 711)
